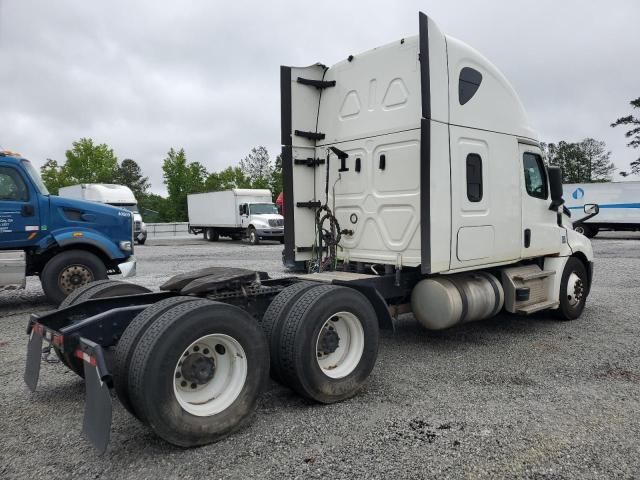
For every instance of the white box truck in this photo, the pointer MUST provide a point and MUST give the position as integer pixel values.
(111, 194)
(619, 204)
(413, 182)
(235, 213)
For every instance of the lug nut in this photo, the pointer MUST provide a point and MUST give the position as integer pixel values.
(183, 383)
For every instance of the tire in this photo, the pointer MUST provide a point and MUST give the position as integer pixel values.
(314, 374)
(71, 298)
(141, 242)
(572, 303)
(127, 344)
(275, 316)
(592, 232)
(211, 235)
(99, 289)
(69, 270)
(254, 239)
(159, 391)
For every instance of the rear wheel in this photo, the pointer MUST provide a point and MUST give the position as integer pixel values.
(274, 318)
(99, 289)
(211, 234)
(328, 343)
(197, 371)
(127, 344)
(574, 288)
(68, 271)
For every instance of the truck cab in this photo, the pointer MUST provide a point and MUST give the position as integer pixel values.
(66, 242)
(262, 220)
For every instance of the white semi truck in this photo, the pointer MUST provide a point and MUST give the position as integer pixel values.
(413, 182)
(619, 204)
(111, 194)
(235, 213)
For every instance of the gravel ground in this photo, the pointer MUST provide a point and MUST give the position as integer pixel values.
(510, 397)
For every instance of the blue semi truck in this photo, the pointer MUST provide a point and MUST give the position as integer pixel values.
(66, 242)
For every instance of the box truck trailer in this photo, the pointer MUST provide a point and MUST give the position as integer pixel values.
(235, 213)
(619, 204)
(413, 182)
(117, 195)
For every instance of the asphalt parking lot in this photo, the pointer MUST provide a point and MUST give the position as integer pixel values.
(511, 397)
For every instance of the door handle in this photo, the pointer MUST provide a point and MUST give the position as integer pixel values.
(527, 238)
(383, 162)
(27, 210)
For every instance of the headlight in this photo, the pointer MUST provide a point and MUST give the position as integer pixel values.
(126, 246)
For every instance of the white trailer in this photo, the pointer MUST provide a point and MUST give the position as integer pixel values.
(111, 194)
(235, 213)
(619, 204)
(413, 181)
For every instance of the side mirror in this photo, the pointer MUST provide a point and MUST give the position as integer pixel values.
(555, 186)
(591, 208)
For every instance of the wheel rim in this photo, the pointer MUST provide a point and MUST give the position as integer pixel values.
(575, 289)
(210, 374)
(340, 345)
(252, 237)
(74, 276)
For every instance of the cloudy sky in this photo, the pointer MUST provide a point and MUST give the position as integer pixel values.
(144, 76)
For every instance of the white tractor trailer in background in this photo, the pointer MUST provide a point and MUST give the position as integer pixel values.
(413, 182)
(111, 194)
(619, 204)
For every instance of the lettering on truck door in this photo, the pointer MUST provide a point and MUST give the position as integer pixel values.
(19, 219)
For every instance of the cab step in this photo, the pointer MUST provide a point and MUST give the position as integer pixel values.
(536, 307)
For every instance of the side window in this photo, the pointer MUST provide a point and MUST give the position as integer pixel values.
(474, 177)
(12, 187)
(535, 178)
(468, 84)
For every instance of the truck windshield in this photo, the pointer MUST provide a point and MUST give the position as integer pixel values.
(261, 208)
(35, 177)
(132, 207)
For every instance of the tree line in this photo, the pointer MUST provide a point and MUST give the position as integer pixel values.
(86, 162)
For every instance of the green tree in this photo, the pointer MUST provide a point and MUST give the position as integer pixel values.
(257, 167)
(230, 177)
(129, 173)
(582, 162)
(155, 208)
(633, 133)
(52, 176)
(597, 157)
(89, 163)
(181, 179)
(276, 178)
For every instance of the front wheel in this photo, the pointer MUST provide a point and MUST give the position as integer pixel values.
(68, 271)
(574, 287)
(254, 239)
(197, 371)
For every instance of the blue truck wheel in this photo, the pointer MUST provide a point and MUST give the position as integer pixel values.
(68, 271)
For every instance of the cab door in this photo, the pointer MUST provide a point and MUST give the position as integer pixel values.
(541, 234)
(19, 216)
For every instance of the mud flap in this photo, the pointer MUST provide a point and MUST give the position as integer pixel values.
(96, 424)
(34, 358)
